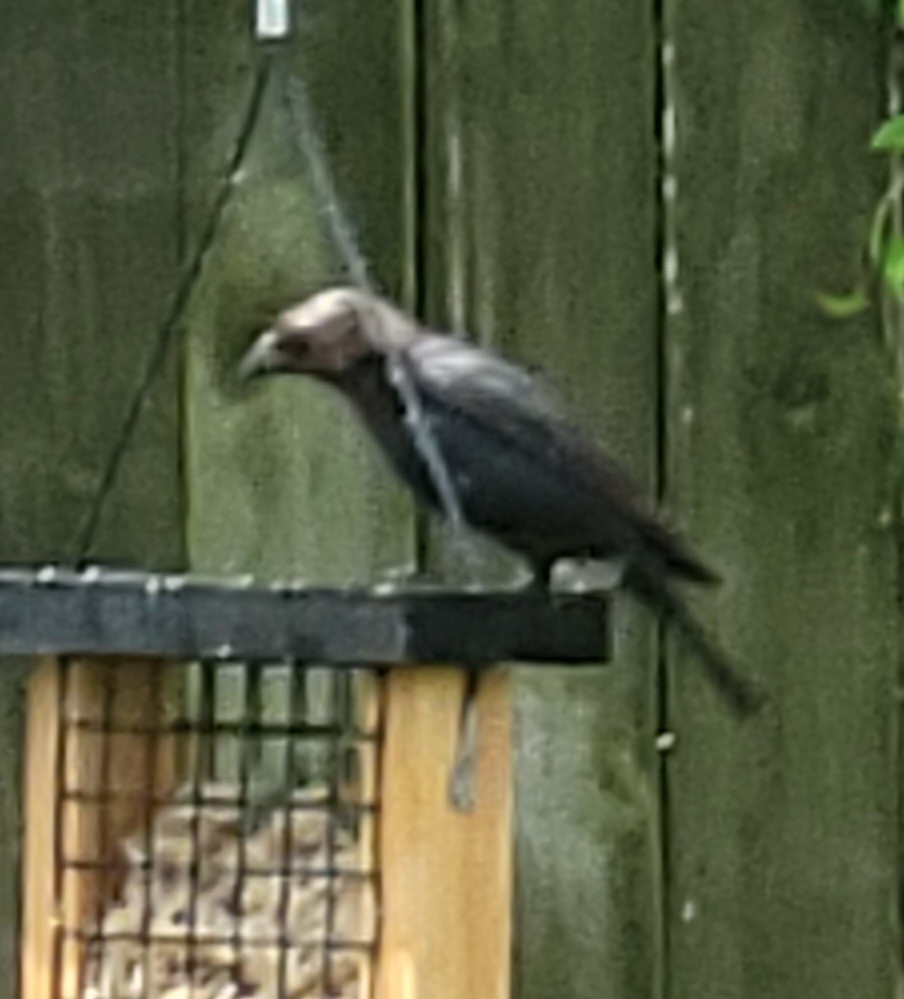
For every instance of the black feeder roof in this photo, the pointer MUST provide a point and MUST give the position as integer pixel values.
(54, 611)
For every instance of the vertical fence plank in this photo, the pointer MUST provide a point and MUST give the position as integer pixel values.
(281, 480)
(781, 424)
(87, 201)
(540, 238)
(88, 126)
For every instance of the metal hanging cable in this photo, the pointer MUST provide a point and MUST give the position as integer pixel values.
(171, 327)
(305, 133)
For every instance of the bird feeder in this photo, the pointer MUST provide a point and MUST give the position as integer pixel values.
(234, 790)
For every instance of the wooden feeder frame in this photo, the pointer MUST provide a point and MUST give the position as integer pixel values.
(445, 874)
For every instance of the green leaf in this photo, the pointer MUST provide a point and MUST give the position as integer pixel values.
(890, 137)
(893, 263)
(899, 13)
(843, 306)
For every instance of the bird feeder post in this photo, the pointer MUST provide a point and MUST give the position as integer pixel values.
(90, 782)
(445, 875)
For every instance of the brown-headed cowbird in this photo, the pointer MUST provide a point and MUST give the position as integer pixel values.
(474, 435)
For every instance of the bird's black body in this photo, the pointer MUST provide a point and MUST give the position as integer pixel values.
(520, 471)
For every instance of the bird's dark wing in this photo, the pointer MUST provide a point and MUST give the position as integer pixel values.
(514, 405)
(500, 409)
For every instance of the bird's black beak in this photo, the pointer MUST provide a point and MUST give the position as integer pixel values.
(263, 357)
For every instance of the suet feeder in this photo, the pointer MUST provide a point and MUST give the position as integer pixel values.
(235, 790)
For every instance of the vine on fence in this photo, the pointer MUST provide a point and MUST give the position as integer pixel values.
(882, 264)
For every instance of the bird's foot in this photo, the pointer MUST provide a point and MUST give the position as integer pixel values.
(574, 575)
(405, 577)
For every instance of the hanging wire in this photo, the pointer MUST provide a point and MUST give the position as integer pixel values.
(305, 133)
(172, 327)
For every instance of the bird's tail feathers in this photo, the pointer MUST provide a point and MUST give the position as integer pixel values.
(743, 695)
(671, 550)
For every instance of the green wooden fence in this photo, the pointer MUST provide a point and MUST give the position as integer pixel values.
(503, 161)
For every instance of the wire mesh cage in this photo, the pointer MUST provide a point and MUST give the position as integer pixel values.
(213, 829)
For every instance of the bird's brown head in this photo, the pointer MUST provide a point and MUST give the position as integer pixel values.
(327, 334)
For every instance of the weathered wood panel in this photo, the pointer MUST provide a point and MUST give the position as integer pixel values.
(88, 208)
(88, 128)
(540, 239)
(281, 480)
(781, 849)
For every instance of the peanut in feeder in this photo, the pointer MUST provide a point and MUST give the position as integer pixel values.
(242, 910)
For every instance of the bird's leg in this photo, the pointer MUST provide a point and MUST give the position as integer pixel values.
(462, 779)
(463, 776)
(542, 578)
